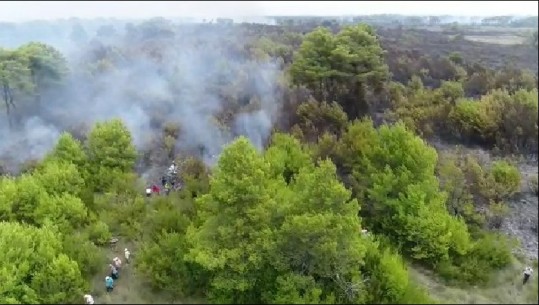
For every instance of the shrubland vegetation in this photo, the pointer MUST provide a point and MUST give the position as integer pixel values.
(282, 225)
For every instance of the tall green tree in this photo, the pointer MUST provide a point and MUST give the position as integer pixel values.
(392, 171)
(47, 66)
(33, 269)
(235, 231)
(111, 152)
(15, 78)
(342, 67)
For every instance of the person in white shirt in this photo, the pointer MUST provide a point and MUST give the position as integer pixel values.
(117, 262)
(127, 254)
(527, 273)
(88, 299)
(172, 168)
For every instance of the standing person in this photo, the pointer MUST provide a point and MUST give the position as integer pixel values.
(117, 262)
(127, 255)
(163, 181)
(88, 299)
(148, 192)
(172, 168)
(109, 283)
(167, 188)
(527, 274)
(113, 272)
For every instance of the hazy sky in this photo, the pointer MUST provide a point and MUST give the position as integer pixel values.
(31, 10)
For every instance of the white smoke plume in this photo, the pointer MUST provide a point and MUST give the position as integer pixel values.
(154, 73)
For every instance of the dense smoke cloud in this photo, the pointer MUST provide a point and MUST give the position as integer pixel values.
(153, 74)
(29, 142)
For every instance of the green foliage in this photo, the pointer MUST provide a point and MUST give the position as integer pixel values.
(99, 233)
(506, 178)
(341, 67)
(60, 282)
(451, 90)
(34, 269)
(286, 157)
(66, 211)
(387, 275)
(453, 175)
(423, 110)
(69, 149)
(88, 256)
(392, 171)
(317, 118)
(123, 213)
(278, 227)
(163, 261)
(414, 294)
(508, 121)
(162, 256)
(233, 213)
(47, 65)
(298, 289)
(25, 198)
(111, 152)
(503, 118)
(493, 251)
(25, 73)
(476, 193)
(60, 177)
(296, 242)
(195, 176)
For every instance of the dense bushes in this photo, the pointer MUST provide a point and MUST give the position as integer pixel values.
(499, 119)
(294, 234)
(44, 215)
(476, 192)
(392, 173)
(489, 253)
(281, 222)
(508, 121)
(34, 267)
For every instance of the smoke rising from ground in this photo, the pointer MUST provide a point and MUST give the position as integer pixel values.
(154, 74)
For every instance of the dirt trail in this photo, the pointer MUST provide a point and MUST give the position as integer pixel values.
(130, 288)
(505, 288)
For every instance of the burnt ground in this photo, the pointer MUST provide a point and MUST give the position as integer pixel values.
(522, 219)
(494, 54)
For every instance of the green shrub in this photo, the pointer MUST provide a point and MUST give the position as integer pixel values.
(494, 249)
(491, 252)
(506, 178)
(388, 277)
(87, 255)
(413, 294)
(99, 233)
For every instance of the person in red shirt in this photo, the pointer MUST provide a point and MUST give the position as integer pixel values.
(155, 189)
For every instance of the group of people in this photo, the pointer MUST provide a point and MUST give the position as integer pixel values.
(112, 277)
(168, 182)
(115, 270)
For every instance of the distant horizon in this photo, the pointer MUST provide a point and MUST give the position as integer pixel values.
(255, 16)
(27, 11)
